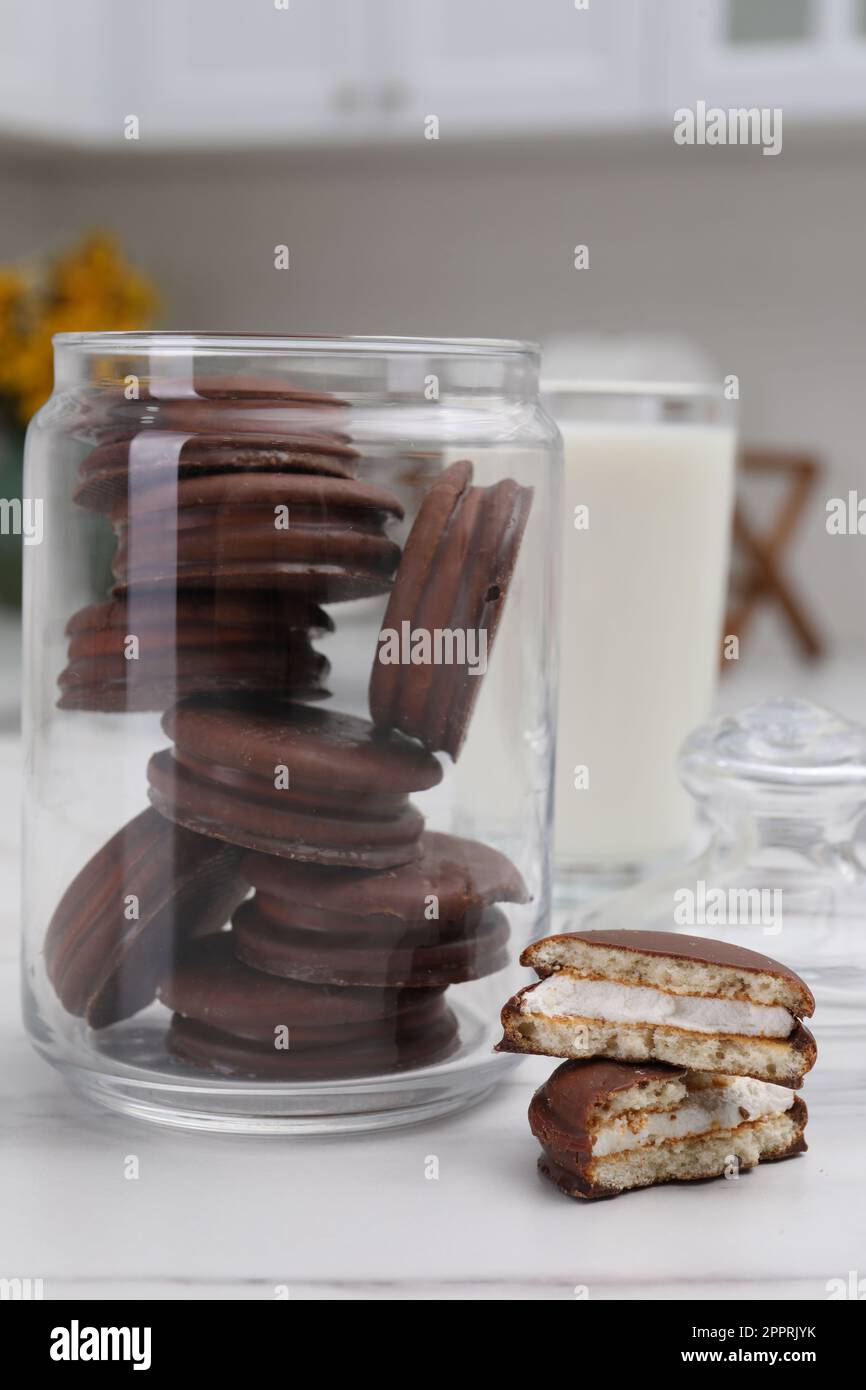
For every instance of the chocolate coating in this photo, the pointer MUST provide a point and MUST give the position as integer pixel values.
(228, 1018)
(234, 614)
(463, 876)
(210, 984)
(205, 424)
(308, 826)
(354, 927)
(222, 530)
(409, 1044)
(190, 642)
(268, 938)
(104, 966)
(560, 1110)
(118, 469)
(347, 799)
(321, 748)
(454, 574)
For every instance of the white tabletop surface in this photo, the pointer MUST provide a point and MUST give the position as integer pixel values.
(229, 1217)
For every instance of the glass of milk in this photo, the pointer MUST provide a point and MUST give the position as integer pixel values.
(646, 524)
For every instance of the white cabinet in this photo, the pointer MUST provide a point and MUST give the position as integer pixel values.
(806, 56)
(293, 72)
(513, 66)
(238, 71)
(222, 72)
(241, 70)
(53, 67)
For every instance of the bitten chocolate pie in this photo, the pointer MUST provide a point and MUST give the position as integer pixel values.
(607, 1127)
(637, 996)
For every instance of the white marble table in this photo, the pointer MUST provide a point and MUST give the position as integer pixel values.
(235, 1218)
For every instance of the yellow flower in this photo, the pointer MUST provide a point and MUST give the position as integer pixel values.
(12, 318)
(90, 288)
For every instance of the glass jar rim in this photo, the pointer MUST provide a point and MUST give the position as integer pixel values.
(121, 342)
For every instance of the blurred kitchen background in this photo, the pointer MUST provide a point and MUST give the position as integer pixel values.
(197, 135)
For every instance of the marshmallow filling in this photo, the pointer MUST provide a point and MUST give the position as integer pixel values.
(725, 1103)
(563, 995)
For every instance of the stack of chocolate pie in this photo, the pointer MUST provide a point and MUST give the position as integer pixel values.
(236, 513)
(686, 1056)
(282, 895)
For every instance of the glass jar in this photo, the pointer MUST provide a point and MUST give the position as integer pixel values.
(289, 683)
(782, 787)
(646, 526)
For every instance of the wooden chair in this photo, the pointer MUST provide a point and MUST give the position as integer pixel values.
(757, 568)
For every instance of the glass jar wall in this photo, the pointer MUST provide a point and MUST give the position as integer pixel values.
(289, 702)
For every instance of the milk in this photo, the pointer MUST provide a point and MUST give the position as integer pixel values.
(642, 602)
